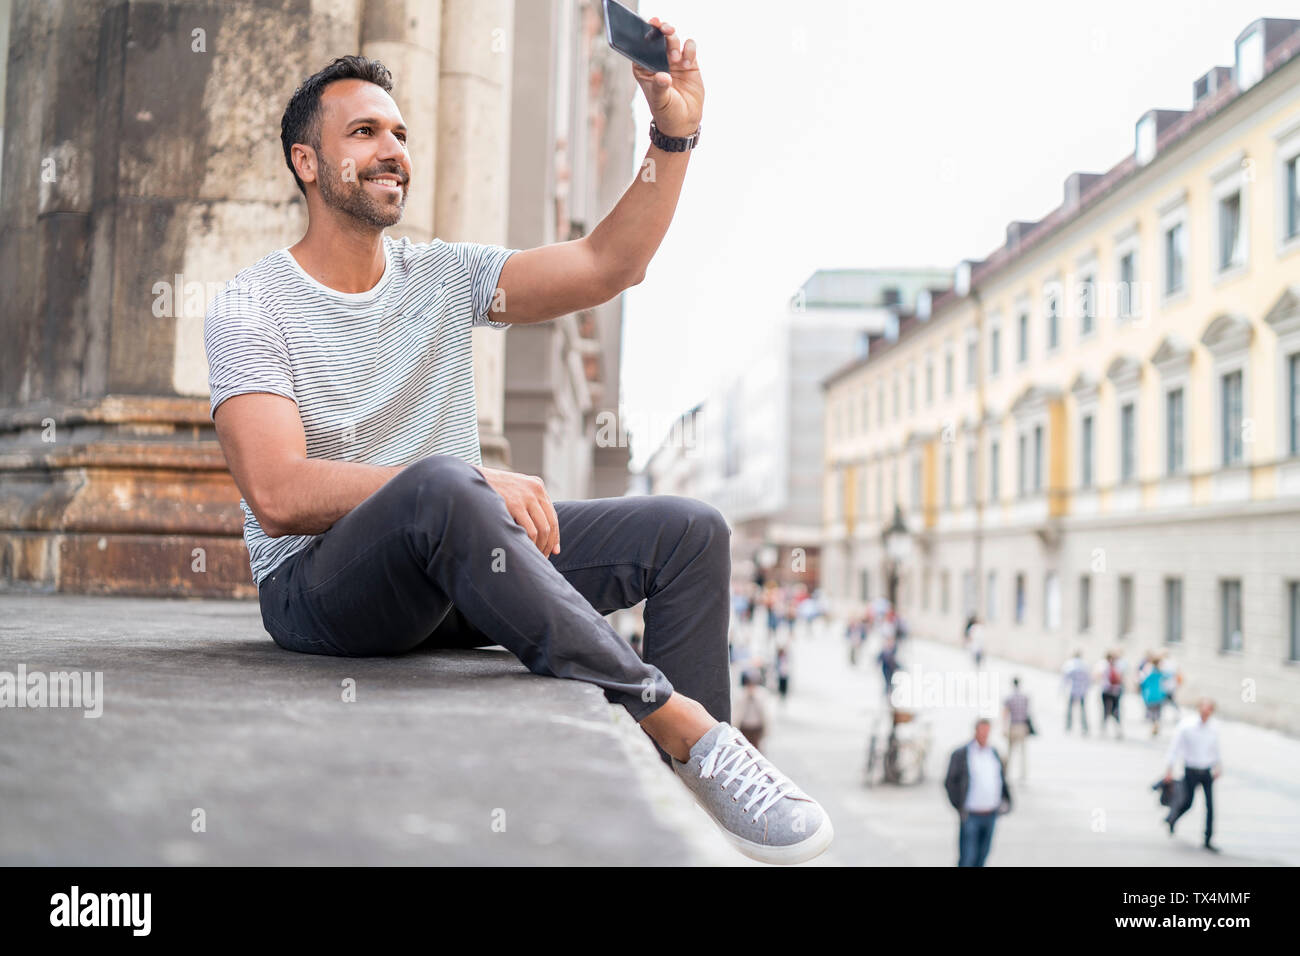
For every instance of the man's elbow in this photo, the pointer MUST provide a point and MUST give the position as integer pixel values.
(272, 514)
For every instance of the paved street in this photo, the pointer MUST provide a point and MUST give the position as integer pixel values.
(1087, 801)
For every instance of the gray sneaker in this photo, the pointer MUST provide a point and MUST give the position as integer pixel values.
(758, 809)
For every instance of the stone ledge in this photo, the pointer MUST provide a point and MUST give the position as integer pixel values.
(202, 710)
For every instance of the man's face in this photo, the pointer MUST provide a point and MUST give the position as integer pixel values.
(982, 734)
(1206, 708)
(362, 138)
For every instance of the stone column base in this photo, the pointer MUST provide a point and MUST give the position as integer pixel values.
(120, 495)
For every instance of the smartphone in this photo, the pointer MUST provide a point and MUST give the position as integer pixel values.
(637, 40)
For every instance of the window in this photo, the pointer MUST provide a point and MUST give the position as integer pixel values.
(1052, 601)
(991, 601)
(1085, 603)
(1174, 431)
(916, 481)
(972, 360)
(1020, 599)
(1085, 453)
(947, 479)
(1087, 305)
(929, 382)
(1127, 450)
(1231, 399)
(1022, 476)
(864, 585)
(1038, 458)
(1173, 610)
(947, 374)
(1127, 298)
(880, 404)
(995, 349)
(1230, 246)
(926, 577)
(880, 490)
(911, 390)
(866, 417)
(1052, 303)
(895, 394)
(1293, 401)
(969, 593)
(1125, 607)
(1250, 59)
(1022, 346)
(1175, 257)
(970, 477)
(1293, 603)
(943, 591)
(1292, 199)
(1230, 614)
(994, 490)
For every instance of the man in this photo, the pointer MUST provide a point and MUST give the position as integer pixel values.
(1076, 679)
(343, 397)
(1015, 717)
(977, 788)
(1196, 744)
(1111, 677)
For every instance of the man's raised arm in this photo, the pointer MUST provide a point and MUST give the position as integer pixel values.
(564, 277)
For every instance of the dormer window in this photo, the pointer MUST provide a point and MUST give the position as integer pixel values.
(1250, 59)
(1145, 146)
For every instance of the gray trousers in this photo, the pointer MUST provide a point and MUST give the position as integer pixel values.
(434, 556)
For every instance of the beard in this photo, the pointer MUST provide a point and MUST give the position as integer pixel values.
(357, 202)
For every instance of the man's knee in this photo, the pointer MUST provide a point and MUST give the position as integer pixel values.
(436, 478)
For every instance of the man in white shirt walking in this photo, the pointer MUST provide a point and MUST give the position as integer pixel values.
(1196, 744)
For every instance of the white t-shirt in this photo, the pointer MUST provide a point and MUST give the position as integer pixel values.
(384, 377)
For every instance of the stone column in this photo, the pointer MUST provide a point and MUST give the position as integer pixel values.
(473, 171)
(142, 170)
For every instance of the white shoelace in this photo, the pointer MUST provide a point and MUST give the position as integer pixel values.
(732, 753)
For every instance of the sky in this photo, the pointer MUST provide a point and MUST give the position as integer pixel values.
(859, 134)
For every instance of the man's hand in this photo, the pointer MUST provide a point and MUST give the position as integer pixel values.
(676, 98)
(529, 505)
(1169, 777)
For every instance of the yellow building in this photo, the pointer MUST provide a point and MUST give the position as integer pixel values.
(1094, 438)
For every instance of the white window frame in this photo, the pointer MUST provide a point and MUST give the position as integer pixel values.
(1086, 393)
(1230, 176)
(1284, 319)
(1053, 287)
(1173, 212)
(1172, 361)
(1126, 380)
(1023, 308)
(972, 345)
(1128, 240)
(1288, 148)
(1086, 268)
(995, 346)
(1230, 352)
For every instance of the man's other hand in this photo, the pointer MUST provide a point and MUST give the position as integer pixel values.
(526, 500)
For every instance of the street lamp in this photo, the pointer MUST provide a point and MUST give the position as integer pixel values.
(898, 548)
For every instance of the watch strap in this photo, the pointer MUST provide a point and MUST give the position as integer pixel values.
(674, 144)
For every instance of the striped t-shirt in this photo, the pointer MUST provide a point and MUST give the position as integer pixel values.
(384, 377)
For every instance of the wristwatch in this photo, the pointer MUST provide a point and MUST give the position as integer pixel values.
(674, 144)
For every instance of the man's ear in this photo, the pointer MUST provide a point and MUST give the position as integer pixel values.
(304, 161)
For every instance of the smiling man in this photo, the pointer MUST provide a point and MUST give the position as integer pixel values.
(343, 396)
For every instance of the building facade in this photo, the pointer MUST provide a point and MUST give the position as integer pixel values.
(1094, 440)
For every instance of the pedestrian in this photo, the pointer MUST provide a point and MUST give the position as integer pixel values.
(1151, 683)
(1111, 677)
(1076, 680)
(1196, 744)
(888, 658)
(1171, 678)
(1015, 717)
(975, 640)
(752, 711)
(783, 671)
(977, 789)
(856, 634)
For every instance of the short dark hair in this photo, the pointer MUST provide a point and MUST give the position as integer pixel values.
(301, 120)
